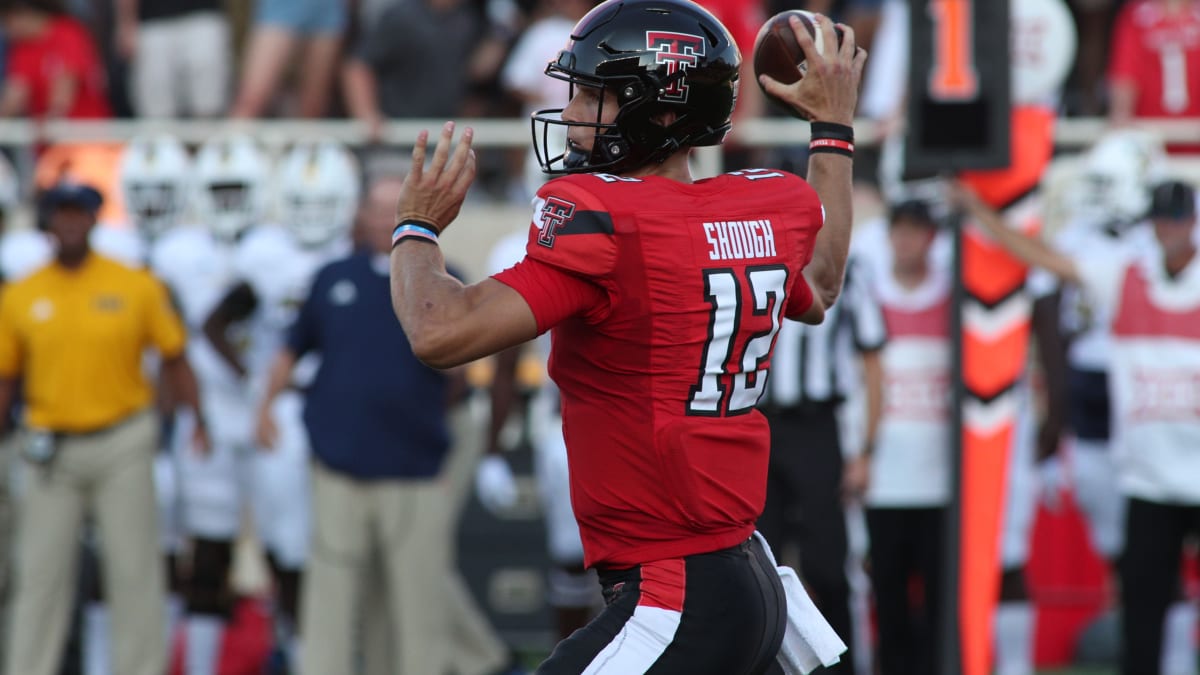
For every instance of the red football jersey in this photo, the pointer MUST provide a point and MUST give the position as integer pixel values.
(1160, 53)
(661, 368)
(65, 47)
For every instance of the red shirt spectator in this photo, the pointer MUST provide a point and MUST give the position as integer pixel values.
(54, 68)
(743, 18)
(1155, 67)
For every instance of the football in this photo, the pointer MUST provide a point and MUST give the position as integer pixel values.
(778, 55)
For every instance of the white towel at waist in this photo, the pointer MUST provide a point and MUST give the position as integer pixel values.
(809, 640)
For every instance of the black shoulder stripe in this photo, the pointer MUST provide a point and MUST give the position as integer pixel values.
(588, 222)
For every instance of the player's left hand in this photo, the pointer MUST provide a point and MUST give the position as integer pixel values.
(856, 476)
(434, 194)
(265, 431)
(201, 444)
(495, 484)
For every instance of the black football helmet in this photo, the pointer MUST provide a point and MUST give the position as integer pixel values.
(655, 56)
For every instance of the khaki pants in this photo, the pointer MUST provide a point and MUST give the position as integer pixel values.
(182, 67)
(108, 475)
(403, 524)
(472, 643)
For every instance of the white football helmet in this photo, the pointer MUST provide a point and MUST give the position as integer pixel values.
(1112, 187)
(231, 185)
(318, 188)
(155, 174)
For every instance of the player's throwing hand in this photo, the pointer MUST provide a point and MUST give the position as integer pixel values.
(828, 92)
(434, 194)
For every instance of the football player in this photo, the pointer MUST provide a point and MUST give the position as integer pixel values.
(1149, 298)
(1105, 207)
(316, 198)
(197, 263)
(664, 295)
(1104, 202)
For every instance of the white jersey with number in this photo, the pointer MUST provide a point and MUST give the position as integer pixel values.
(911, 462)
(279, 271)
(198, 269)
(1154, 372)
(1085, 321)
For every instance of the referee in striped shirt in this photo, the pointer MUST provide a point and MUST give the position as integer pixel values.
(813, 371)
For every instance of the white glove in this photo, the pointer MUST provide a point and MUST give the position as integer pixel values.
(1053, 482)
(495, 485)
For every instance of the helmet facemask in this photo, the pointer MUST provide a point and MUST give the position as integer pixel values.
(233, 208)
(156, 207)
(315, 219)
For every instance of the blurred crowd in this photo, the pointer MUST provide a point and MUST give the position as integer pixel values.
(372, 59)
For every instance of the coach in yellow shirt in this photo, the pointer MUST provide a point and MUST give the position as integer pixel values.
(74, 333)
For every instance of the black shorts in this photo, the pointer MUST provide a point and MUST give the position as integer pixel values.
(720, 613)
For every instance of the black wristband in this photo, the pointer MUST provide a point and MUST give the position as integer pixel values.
(832, 131)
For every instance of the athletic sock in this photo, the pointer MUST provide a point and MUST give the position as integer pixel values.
(203, 644)
(1014, 638)
(1179, 640)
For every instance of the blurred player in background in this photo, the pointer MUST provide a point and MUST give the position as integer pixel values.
(571, 591)
(317, 187)
(1152, 300)
(1106, 205)
(572, 588)
(197, 262)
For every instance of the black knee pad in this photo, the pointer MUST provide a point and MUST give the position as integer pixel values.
(289, 594)
(1012, 585)
(208, 589)
(287, 589)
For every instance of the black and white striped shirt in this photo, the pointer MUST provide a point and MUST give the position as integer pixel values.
(817, 364)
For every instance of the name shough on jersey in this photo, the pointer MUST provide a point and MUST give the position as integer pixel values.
(739, 239)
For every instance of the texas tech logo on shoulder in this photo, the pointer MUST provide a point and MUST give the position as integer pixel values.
(679, 51)
(555, 213)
